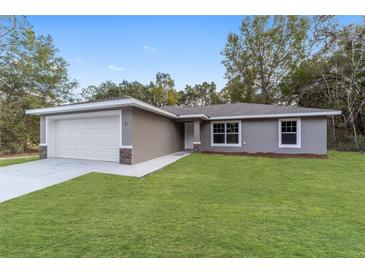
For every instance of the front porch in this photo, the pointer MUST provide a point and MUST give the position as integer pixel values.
(192, 140)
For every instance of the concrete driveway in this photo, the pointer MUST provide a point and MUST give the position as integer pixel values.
(20, 179)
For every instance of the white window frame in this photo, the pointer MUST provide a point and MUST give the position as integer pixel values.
(299, 133)
(225, 134)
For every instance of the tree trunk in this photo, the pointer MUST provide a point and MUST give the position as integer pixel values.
(353, 126)
(350, 107)
(334, 131)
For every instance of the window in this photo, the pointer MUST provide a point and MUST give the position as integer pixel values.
(226, 133)
(289, 133)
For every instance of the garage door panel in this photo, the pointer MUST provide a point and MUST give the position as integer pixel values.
(92, 123)
(95, 138)
(110, 132)
(87, 141)
(93, 131)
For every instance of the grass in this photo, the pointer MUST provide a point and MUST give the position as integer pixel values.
(201, 206)
(8, 162)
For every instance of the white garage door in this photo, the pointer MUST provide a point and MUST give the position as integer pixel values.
(92, 138)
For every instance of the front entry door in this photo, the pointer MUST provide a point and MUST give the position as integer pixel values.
(189, 135)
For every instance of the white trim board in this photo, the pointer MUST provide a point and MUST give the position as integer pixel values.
(298, 133)
(46, 131)
(187, 116)
(120, 128)
(225, 144)
(126, 146)
(299, 114)
(100, 106)
(142, 105)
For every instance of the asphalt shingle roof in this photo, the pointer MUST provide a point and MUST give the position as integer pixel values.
(223, 110)
(236, 109)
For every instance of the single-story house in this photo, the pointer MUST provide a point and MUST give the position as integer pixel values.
(129, 131)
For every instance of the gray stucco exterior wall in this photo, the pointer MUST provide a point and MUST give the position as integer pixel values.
(127, 126)
(42, 129)
(151, 135)
(154, 136)
(261, 135)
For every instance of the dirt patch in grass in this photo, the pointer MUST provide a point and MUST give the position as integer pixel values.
(18, 155)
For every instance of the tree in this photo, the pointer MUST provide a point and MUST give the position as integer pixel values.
(264, 52)
(349, 71)
(240, 90)
(200, 95)
(159, 93)
(31, 75)
(334, 78)
(163, 91)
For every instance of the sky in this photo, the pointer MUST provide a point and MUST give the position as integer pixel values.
(100, 48)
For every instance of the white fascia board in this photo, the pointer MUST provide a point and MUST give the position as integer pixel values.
(100, 106)
(187, 116)
(299, 114)
(126, 146)
(79, 107)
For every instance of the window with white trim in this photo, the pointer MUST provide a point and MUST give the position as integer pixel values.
(226, 133)
(289, 133)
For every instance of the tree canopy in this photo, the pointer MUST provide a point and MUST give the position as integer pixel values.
(31, 75)
(160, 92)
(264, 52)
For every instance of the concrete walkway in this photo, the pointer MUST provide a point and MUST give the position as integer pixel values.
(21, 179)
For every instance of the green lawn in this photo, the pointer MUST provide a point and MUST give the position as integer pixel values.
(201, 206)
(8, 162)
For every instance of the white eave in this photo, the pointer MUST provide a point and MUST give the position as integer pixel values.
(100, 106)
(193, 116)
(278, 115)
(142, 105)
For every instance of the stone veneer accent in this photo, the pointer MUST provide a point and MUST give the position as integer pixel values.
(125, 156)
(196, 147)
(43, 152)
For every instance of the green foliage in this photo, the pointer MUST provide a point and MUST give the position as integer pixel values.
(32, 75)
(334, 79)
(200, 95)
(264, 52)
(161, 92)
(201, 206)
(239, 90)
